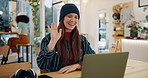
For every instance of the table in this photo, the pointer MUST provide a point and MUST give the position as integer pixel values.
(134, 69)
(1, 32)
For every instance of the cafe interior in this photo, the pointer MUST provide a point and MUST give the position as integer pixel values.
(111, 26)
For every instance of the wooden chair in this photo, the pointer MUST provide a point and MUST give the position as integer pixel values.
(118, 47)
(9, 69)
(6, 51)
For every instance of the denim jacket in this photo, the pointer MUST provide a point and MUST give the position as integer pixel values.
(50, 60)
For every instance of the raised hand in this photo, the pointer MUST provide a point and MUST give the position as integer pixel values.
(54, 33)
(55, 36)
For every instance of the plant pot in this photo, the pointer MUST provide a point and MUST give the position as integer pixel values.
(134, 34)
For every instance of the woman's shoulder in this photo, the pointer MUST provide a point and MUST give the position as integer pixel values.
(83, 38)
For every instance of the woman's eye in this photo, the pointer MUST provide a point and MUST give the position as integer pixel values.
(70, 16)
(76, 17)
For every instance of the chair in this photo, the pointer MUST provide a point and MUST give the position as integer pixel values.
(6, 51)
(9, 69)
(27, 51)
(118, 45)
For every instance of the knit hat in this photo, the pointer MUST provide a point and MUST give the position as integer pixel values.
(68, 8)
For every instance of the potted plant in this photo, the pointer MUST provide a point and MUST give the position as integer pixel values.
(134, 28)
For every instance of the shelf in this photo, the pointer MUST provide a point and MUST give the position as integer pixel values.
(116, 23)
(118, 26)
(115, 36)
(119, 30)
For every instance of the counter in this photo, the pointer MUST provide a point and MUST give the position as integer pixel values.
(138, 49)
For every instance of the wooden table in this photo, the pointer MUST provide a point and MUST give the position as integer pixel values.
(1, 32)
(4, 33)
(134, 69)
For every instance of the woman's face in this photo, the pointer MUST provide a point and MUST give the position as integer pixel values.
(70, 21)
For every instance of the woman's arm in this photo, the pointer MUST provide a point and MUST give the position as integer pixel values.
(48, 58)
(45, 57)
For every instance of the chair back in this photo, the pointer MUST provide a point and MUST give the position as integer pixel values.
(9, 69)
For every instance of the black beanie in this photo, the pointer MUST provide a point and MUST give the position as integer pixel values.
(68, 8)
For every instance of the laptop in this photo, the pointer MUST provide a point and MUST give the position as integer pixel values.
(104, 65)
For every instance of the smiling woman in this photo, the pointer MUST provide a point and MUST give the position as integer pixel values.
(63, 48)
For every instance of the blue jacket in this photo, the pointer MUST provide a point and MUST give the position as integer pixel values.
(50, 60)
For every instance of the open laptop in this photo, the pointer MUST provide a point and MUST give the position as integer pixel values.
(104, 65)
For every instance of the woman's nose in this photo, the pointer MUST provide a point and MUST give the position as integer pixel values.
(72, 19)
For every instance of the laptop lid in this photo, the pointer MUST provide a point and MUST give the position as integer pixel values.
(104, 65)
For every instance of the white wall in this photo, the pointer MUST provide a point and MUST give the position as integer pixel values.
(89, 18)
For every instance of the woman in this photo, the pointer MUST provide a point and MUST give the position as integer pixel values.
(22, 30)
(63, 49)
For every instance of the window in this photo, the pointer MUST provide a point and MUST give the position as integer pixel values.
(103, 42)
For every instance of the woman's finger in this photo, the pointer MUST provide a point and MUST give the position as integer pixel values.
(49, 28)
(54, 26)
(68, 71)
(62, 70)
(60, 31)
